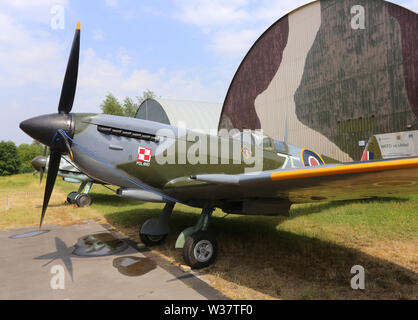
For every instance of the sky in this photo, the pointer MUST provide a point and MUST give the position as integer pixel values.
(186, 50)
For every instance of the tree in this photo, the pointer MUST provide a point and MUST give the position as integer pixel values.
(147, 94)
(26, 153)
(9, 159)
(111, 105)
(129, 107)
(36, 142)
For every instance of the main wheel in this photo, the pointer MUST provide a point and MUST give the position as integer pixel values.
(150, 240)
(83, 200)
(71, 197)
(200, 250)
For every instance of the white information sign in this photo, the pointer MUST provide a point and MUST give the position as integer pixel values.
(399, 144)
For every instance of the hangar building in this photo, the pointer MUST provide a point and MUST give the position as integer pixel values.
(334, 72)
(194, 115)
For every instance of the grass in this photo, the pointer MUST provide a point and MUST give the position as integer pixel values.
(306, 256)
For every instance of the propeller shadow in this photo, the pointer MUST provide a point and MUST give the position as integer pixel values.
(65, 255)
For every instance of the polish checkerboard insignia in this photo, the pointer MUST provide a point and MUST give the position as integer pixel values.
(144, 155)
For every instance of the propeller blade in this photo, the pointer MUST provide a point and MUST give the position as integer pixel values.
(41, 168)
(41, 171)
(70, 80)
(53, 167)
(41, 175)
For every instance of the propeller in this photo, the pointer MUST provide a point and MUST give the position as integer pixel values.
(52, 130)
(70, 80)
(59, 145)
(41, 169)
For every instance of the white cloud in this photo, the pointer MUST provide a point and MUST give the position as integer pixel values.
(38, 11)
(205, 13)
(409, 4)
(32, 64)
(112, 3)
(233, 26)
(29, 54)
(98, 76)
(32, 4)
(234, 43)
(98, 35)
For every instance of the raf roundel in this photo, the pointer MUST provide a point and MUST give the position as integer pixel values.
(144, 154)
(311, 159)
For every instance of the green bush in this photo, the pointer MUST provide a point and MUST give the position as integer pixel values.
(26, 153)
(9, 158)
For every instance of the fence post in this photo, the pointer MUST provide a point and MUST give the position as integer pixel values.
(7, 203)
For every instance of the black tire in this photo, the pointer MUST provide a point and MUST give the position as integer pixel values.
(150, 240)
(71, 196)
(83, 200)
(200, 250)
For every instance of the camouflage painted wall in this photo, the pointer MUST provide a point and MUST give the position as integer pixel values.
(336, 85)
(253, 76)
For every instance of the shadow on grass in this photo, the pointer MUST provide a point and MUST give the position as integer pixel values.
(323, 267)
(316, 207)
(112, 200)
(282, 264)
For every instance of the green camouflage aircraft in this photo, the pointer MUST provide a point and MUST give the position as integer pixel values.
(246, 173)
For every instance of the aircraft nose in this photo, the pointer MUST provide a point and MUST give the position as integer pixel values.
(39, 162)
(43, 128)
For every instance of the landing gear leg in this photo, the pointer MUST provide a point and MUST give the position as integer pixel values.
(200, 247)
(154, 231)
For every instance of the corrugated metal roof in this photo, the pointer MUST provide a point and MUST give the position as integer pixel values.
(194, 115)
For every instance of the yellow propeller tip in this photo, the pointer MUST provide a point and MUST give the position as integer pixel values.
(78, 25)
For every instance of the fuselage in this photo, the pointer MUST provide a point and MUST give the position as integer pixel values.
(108, 148)
(142, 154)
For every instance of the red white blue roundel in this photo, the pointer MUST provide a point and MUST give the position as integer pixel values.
(311, 159)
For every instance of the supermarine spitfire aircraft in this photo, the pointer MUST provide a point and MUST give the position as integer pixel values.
(126, 152)
(69, 173)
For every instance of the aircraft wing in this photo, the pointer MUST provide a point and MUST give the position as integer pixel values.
(383, 178)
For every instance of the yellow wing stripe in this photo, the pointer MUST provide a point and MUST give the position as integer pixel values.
(345, 169)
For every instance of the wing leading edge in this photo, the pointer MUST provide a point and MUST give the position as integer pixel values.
(383, 178)
(359, 167)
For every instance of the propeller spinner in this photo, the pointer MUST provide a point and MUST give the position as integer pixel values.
(48, 129)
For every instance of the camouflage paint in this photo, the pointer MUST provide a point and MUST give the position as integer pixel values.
(408, 23)
(355, 82)
(275, 106)
(253, 76)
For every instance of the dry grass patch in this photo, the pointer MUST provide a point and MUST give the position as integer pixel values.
(306, 256)
(25, 208)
